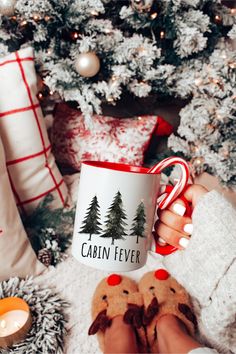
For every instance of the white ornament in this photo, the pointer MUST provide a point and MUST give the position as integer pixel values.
(87, 64)
(7, 7)
(142, 5)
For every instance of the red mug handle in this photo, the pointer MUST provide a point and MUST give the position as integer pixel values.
(164, 250)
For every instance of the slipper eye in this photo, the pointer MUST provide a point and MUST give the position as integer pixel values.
(125, 292)
(104, 297)
(173, 290)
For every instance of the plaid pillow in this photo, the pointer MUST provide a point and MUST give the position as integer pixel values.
(17, 258)
(30, 163)
(110, 139)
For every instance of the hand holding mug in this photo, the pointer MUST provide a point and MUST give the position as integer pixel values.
(174, 226)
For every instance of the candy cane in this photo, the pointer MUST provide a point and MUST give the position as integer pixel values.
(180, 185)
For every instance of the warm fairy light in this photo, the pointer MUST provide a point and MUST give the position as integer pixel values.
(199, 161)
(162, 34)
(110, 99)
(114, 78)
(233, 11)
(107, 30)
(13, 18)
(23, 23)
(3, 324)
(154, 15)
(36, 17)
(142, 50)
(198, 82)
(139, 118)
(40, 95)
(94, 13)
(47, 18)
(49, 51)
(50, 93)
(75, 35)
(217, 18)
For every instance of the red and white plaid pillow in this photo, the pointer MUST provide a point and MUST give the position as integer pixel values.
(110, 139)
(30, 163)
(17, 257)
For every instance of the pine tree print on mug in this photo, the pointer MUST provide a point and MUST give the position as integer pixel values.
(139, 221)
(115, 224)
(91, 224)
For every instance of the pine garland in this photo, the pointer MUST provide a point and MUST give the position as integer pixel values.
(48, 312)
(50, 230)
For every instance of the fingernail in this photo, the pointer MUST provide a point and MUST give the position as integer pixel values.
(179, 209)
(161, 241)
(188, 228)
(162, 189)
(183, 242)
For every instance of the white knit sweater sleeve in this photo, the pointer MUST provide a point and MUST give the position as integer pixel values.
(207, 269)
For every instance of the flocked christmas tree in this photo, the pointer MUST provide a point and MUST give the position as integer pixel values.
(115, 220)
(93, 51)
(138, 226)
(91, 224)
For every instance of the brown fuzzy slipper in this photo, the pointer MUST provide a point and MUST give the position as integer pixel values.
(162, 295)
(117, 295)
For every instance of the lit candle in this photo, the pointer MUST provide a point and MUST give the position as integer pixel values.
(15, 321)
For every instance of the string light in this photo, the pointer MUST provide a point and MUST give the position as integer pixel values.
(107, 30)
(153, 16)
(50, 93)
(162, 34)
(36, 17)
(40, 96)
(49, 51)
(47, 18)
(94, 13)
(23, 23)
(75, 35)
(217, 18)
(114, 78)
(233, 11)
(139, 118)
(198, 81)
(110, 99)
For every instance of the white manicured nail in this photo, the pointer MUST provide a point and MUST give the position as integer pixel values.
(188, 228)
(183, 242)
(161, 241)
(179, 209)
(162, 189)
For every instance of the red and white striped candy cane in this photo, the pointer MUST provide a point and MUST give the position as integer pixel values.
(180, 185)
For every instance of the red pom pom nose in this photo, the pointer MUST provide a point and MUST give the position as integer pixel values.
(161, 274)
(114, 279)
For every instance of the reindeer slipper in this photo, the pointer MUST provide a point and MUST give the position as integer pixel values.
(117, 295)
(162, 295)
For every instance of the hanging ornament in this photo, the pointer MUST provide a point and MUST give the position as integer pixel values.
(7, 7)
(87, 64)
(142, 5)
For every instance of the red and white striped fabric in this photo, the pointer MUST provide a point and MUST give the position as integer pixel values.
(31, 166)
(17, 257)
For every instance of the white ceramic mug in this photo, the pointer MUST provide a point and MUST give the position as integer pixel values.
(115, 213)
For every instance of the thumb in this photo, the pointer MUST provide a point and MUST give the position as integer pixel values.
(194, 193)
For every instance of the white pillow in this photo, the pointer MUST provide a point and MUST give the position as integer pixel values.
(17, 257)
(30, 163)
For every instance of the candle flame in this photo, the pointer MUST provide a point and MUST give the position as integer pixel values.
(3, 324)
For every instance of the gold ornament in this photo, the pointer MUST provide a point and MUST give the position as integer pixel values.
(7, 7)
(142, 5)
(87, 64)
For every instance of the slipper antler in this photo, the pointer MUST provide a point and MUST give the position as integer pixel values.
(101, 323)
(133, 315)
(151, 312)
